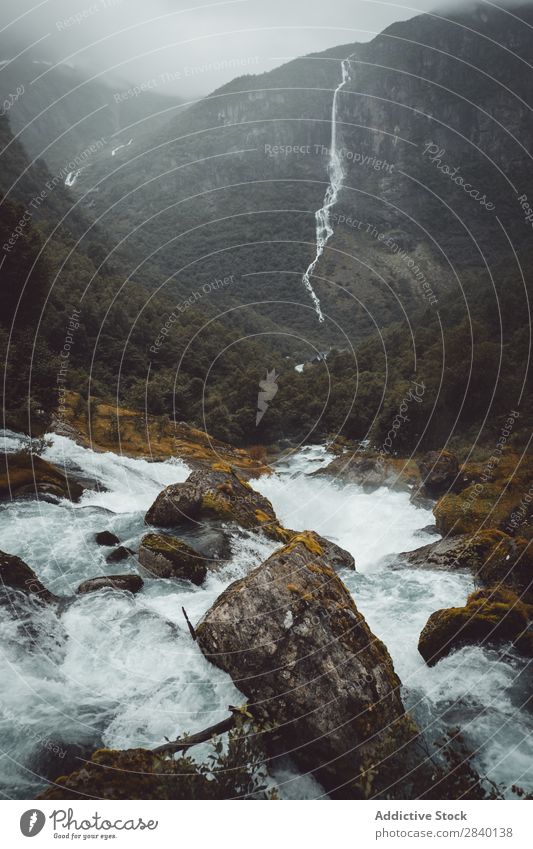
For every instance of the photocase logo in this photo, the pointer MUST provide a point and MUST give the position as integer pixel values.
(268, 390)
(32, 822)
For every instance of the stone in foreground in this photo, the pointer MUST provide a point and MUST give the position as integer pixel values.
(292, 639)
(129, 583)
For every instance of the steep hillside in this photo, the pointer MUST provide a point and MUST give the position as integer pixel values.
(66, 117)
(231, 185)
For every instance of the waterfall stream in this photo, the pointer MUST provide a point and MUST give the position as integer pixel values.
(324, 229)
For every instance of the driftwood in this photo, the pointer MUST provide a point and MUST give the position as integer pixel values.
(181, 745)
(190, 625)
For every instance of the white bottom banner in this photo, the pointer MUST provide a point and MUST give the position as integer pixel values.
(267, 824)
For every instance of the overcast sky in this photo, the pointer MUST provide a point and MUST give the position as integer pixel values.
(177, 42)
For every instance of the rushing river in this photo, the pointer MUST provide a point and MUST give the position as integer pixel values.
(121, 671)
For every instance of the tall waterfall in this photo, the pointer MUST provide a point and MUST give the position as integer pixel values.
(324, 230)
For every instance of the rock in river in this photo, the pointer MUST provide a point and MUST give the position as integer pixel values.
(219, 495)
(292, 639)
(491, 616)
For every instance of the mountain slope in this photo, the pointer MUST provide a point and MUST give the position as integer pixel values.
(231, 185)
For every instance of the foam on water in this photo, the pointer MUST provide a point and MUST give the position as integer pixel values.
(483, 691)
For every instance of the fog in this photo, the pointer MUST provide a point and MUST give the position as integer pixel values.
(191, 46)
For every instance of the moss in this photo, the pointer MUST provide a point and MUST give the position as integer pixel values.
(321, 570)
(30, 472)
(162, 544)
(493, 615)
(307, 538)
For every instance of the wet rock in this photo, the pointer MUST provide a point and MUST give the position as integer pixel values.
(445, 554)
(292, 639)
(214, 495)
(371, 471)
(106, 538)
(125, 583)
(209, 540)
(493, 557)
(119, 554)
(28, 475)
(439, 472)
(429, 529)
(137, 774)
(334, 555)
(491, 616)
(169, 557)
(17, 575)
(473, 508)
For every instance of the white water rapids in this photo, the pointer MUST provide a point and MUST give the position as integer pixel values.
(119, 670)
(324, 229)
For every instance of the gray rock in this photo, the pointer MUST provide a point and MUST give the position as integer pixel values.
(106, 538)
(169, 557)
(292, 639)
(209, 495)
(129, 583)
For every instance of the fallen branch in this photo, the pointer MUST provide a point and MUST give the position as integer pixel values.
(181, 745)
(189, 623)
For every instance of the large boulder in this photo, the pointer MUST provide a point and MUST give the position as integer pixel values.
(169, 557)
(494, 557)
(126, 583)
(25, 475)
(214, 495)
(371, 472)
(17, 575)
(490, 616)
(292, 639)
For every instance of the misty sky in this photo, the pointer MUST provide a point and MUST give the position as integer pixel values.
(177, 42)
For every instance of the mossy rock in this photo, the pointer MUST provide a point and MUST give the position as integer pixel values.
(169, 557)
(218, 495)
(133, 774)
(295, 644)
(133, 433)
(123, 583)
(491, 616)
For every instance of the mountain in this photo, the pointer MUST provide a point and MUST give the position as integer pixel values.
(185, 251)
